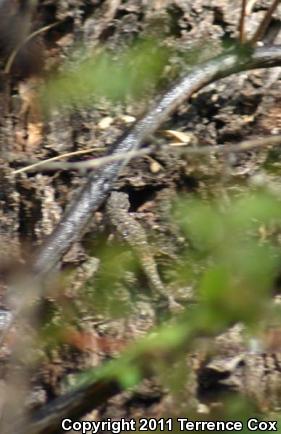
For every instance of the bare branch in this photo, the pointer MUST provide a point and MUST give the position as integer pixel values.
(32, 35)
(94, 163)
(48, 419)
(242, 22)
(37, 164)
(262, 28)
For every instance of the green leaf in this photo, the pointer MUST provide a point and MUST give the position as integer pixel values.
(202, 224)
(115, 76)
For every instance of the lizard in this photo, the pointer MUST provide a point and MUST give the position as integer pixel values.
(133, 233)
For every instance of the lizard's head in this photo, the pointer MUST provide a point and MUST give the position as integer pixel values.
(119, 199)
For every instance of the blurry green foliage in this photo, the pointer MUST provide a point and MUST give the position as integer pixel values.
(238, 266)
(239, 260)
(237, 263)
(232, 259)
(145, 355)
(115, 76)
(108, 293)
(131, 72)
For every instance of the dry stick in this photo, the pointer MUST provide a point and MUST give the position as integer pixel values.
(37, 164)
(112, 8)
(32, 35)
(48, 419)
(242, 22)
(244, 146)
(93, 163)
(260, 32)
(101, 182)
(46, 165)
(250, 6)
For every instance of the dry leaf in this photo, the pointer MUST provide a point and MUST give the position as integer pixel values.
(184, 138)
(35, 134)
(127, 119)
(30, 114)
(154, 166)
(105, 122)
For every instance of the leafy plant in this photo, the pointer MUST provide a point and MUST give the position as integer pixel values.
(240, 260)
(126, 74)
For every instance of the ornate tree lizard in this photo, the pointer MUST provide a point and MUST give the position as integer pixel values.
(134, 234)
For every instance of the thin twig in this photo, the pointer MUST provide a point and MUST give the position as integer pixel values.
(37, 164)
(242, 22)
(244, 146)
(94, 163)
(262, 28)
(32, 35)
(112, 8)
(250, 6)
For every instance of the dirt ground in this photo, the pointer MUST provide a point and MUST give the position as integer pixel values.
(227, 112)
